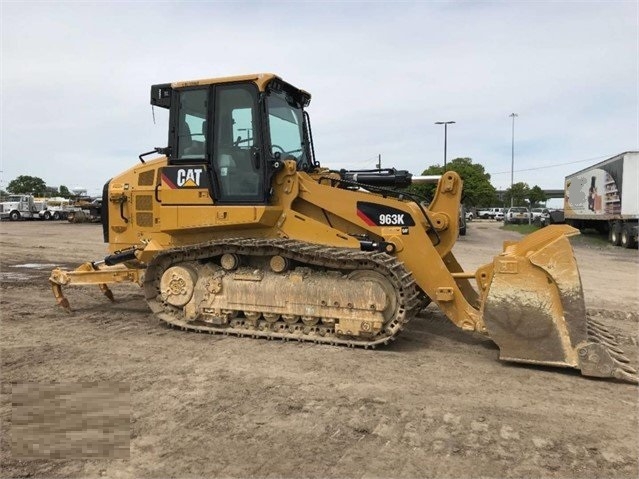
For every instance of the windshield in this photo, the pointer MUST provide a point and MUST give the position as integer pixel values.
(286, 127)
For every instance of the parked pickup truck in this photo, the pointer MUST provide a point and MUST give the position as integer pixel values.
(486, 213)
(516, 214)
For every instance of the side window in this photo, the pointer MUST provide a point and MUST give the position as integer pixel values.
(235, 138)
(286, 130)
(192, 124)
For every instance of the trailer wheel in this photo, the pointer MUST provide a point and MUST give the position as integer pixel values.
(615, 233)
(14, 216)
(627, 238)
(56, 216)
(47, 215)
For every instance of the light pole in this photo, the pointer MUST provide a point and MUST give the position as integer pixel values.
(445, 123)
(512, 159)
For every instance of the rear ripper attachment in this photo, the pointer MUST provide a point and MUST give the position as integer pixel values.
(283, 289)
(92, 273)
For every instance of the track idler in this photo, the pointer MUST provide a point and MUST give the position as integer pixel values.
(535, 311)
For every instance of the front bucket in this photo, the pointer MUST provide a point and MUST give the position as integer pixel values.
(535, 310)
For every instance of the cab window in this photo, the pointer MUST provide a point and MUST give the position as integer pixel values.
(192, 124)
(286, 128)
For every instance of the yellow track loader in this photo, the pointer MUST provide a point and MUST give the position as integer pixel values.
(235, 228)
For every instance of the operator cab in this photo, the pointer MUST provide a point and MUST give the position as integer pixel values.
(240, 128)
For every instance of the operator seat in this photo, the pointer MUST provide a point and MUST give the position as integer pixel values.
(238, 176)
(197, 148)
(247, 178)
(184, 139)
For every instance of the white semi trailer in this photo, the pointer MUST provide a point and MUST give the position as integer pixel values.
(605, 197)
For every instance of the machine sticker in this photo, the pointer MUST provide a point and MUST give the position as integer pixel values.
(176, 177)
(374, 214)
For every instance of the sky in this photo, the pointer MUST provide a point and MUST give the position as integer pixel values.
(76, 76)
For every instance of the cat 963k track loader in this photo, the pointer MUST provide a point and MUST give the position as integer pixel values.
(236, 229)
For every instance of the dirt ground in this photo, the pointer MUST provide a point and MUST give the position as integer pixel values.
(435, 403)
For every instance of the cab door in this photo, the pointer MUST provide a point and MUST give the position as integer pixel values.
(238, 173)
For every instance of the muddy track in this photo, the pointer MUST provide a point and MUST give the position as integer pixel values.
(317, 257)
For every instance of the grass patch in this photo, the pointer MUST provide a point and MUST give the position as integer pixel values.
(587, 237)
(591, 238)
(525, 229)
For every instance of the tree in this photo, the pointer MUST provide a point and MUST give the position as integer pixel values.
(64, 192)
(536, 195)
(477, 189)
(27, 184)
(519, 193)
(50, 191)
(523, 195)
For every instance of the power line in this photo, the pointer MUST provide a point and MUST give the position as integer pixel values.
(558, 164)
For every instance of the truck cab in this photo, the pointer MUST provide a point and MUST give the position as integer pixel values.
(18, 207)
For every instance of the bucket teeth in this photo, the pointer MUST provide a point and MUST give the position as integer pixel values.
(601, 356)
(629, 376)
(619, 356)
(602, 334)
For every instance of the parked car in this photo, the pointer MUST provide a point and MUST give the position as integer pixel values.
(469, 216)
(556, 216)
(551, 217)
(540, 216)
(462, 220)
(516, 214)
(539, 212)
(499, 216)
(489, 213)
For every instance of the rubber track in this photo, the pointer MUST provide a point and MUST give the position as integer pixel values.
(342, 259)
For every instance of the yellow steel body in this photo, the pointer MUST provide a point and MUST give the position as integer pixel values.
(531, 290)
(303, 206)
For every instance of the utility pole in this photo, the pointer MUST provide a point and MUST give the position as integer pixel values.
(379, 161)
(512, 160)
(445, 123)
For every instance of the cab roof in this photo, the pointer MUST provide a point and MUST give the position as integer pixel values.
(260, 79)
(160, 93)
